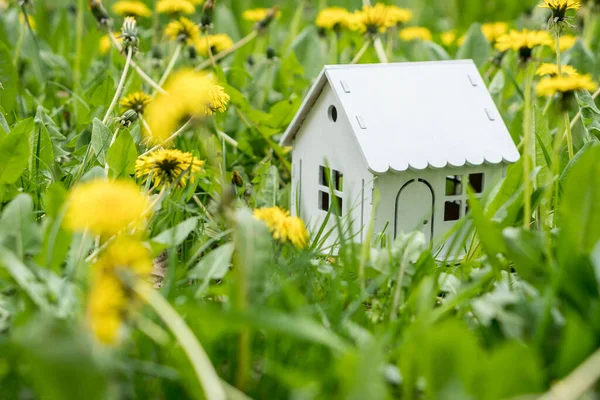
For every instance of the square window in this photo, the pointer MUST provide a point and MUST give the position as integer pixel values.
(452, 210)
(453, 185)
(323, 201)
(476, 182)
(337, 208)
(338, 180)
(324, 175)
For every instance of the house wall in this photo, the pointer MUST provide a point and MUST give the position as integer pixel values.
(320, 141)
(390, 184)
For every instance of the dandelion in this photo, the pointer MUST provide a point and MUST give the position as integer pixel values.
(559, 9)
(175, 7)
(494, 30)
(105, 207)
(415, 33)
(30, 19)
(565, 85)
(218, 99)
(398, 16)
(217, 43)
(282, 226)
(372, 19)
(523, 41)
(448, 38)
(552, 70)
(129, 34)
(566, 42)
(334, 18)
(188, 95)
(165, 167)
(110, 301)
(131, 9)
(258, 14)
(106, 304)
(106, 44)
(183, 30)
(135, 101)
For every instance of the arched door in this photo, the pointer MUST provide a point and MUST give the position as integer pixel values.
(414, 208)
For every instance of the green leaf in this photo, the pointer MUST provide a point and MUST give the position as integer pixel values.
(122, 155)
(8, 79)
(23, 276)
(267, 186)
(580, 207)
(225, 22)
(18, 229)
(176, 235)
(214, 265)
(14, 151)
(3, 121)
(101, 137)
(475, 47)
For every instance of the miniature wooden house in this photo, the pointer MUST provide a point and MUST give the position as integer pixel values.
(418, 133)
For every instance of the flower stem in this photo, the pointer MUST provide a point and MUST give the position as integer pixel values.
(569, 135)
(19, 45)
(115, 99)
(558, 62)
(527, 167)
(170, 138)
(361, 52)
(380, 50)
(242, 42)
(211, 58)
(172, 62)
(78, 43)
(205, 372)
(134, 65)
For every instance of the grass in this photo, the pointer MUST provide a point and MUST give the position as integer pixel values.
(241, 315)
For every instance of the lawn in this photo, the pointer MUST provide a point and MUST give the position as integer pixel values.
(148, 245)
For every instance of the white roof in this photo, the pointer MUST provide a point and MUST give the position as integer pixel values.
(416, 115)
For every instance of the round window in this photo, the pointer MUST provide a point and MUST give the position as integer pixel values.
(332, 112)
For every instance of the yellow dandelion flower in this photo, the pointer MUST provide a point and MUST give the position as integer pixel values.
(552, 70)
(258, 14)
(105, 207)
(29, 19)
(124, 254)
(523, 41)
(334, 18)
(565, 85)
(493, 30)
(448, 38)
(283, 227)
(131, 9)
(217, 44)
(415, 33)
(188, 95)
(559, 8)
(183, 30)
(166, 167)
(397, 15)
(372, 19)
(566, 42)
(106, 303)
(106, 44)
(135, 101)
(109, 301)
(218, 99)
(175, 7)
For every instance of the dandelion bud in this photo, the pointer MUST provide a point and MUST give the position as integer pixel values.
(236, 179)
(192, 53)
(128, 118)
(207, 15)
(129, 34)
(99, 12)
(271, 15)
(271, 53)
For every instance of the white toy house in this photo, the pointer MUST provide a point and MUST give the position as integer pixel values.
(419, 133)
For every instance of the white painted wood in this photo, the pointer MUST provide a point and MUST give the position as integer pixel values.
(396, 123)
(417, 115)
